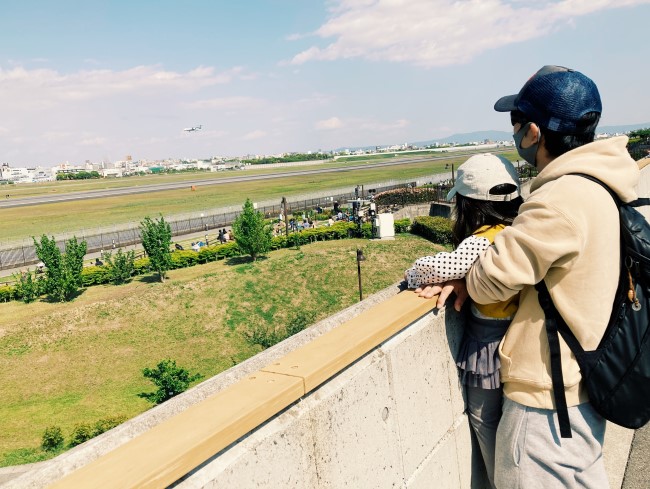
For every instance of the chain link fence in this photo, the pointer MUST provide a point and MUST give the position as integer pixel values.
(19, 254)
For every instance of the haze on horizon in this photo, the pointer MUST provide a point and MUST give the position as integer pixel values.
(101, 80)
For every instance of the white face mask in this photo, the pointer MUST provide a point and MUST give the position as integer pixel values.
(529, 154)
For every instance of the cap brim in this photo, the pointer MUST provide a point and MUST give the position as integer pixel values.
(506, 104)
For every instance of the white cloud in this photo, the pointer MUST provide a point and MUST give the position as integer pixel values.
(230, 103)
(381, 126)
(98, 141)
(316, 99)
(440, 32)
(56, 136)
(44, 88)
(328, 124)
(254, 135)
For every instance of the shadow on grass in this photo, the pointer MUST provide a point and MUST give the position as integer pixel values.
(148, 279)
(241, 260)
(53, 300)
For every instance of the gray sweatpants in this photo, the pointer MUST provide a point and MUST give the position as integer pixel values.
(530, 453)
(484, 413)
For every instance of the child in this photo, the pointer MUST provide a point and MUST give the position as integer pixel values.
(488, 195)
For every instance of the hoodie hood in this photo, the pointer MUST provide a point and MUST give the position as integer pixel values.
(606, 159)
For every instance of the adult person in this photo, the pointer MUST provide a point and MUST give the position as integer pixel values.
(567, 234)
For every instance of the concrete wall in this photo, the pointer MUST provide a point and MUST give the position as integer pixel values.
(413, 211)
(392, 419)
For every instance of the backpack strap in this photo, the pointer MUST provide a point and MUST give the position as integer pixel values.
(552, 328)
(639, 202)
(635, 203)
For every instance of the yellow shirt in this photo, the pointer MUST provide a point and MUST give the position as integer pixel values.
(498, 310)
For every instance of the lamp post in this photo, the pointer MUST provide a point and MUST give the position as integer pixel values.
(453, 178)
(283, 206)
(360, 258)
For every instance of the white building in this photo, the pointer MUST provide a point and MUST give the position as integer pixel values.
(25, 175)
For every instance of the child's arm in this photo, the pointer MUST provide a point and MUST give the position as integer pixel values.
(445, 266)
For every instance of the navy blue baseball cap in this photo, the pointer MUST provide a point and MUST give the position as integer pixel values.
(556, 98)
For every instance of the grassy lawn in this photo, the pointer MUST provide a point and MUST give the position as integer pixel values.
(54, 219)
(79, 362)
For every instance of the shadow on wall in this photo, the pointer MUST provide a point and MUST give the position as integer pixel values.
(478, 472)
(440, 210)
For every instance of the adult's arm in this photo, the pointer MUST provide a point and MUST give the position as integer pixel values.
(541, 236)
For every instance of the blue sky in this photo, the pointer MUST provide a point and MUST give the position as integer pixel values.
(99, 80)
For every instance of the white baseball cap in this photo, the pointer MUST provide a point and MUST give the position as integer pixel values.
(481, 173)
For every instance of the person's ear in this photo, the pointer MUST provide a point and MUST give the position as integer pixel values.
(533, 135)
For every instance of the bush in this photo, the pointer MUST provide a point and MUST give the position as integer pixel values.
(298, 322)
(7, 293)
(94, 275)
(120, 267)
(98, 275)
(263, 335)
(80, 433)
(406, 196)
(106, 424)
(183, 259)
(52, 439)
(436, 229)
(267, 336)
(28, 286)
(170, 379)
(402, 225)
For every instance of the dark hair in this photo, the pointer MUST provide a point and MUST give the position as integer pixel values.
(470, 214)
(557, 143)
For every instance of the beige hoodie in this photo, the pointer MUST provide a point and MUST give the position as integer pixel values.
(566, 233)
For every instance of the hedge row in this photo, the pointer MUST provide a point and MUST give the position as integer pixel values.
(97, 275)
(406, 196)
(436, 229)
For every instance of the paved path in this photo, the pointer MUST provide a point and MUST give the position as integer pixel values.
(637, 473)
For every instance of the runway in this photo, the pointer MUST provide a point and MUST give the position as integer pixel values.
(98, 194)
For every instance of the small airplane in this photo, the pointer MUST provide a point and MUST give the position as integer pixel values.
(192, 129)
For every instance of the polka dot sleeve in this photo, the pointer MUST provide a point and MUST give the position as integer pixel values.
(445, 266)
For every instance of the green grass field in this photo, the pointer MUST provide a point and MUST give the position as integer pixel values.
(20, 223)
(69, 363)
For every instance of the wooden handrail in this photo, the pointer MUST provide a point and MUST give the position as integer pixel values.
(176, 446)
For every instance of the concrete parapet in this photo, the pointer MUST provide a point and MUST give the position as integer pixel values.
(391, 416)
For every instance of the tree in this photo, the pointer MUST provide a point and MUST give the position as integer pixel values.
(170, 379)
(63, 271)
(27, 286)
(639, 143)
(120, 268)
(156, 240)
(252, 233)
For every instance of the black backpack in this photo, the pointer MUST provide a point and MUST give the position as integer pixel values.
(617, 373)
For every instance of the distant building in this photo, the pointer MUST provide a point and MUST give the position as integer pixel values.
(25, 175)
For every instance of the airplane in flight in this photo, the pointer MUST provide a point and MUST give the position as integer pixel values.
(192, 129)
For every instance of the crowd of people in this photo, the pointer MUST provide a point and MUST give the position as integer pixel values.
(224, 236)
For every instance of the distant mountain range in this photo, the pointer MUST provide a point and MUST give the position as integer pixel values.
(469, 137)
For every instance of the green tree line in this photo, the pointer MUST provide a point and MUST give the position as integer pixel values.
(288, 158)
